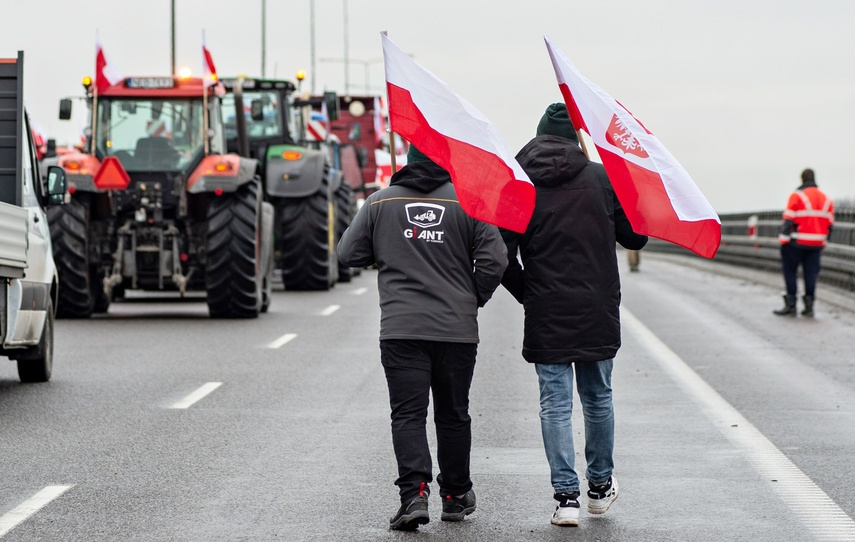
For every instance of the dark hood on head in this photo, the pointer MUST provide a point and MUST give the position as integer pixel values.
(422, 176)
(551, 160)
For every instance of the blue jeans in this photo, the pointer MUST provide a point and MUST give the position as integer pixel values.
(594, 384)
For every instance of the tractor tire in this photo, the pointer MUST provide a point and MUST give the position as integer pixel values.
(304, 237)
(81, 292)
(345, 207)
(233, 271)
(36, 365)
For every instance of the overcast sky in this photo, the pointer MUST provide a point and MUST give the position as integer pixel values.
(744, 93)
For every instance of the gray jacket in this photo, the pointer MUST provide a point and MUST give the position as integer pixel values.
(436, 264)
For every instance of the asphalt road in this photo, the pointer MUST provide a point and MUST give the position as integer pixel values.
(162, 425)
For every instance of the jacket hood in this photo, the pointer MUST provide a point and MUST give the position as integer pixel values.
(422, 176)
(551, 160)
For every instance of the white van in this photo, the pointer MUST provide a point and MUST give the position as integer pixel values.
(28, 277)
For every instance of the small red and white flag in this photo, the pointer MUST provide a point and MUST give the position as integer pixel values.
(490, 184)
(658, 195)
(209, 71)
(106, 73)
(379, 122)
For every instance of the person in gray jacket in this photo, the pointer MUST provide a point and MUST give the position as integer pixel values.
(436, 267)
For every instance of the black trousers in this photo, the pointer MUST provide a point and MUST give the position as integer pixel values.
(792, 256)
(413, 369)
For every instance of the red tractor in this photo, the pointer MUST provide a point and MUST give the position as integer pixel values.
(157, 203)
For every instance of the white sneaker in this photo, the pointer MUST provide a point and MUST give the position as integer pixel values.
(601, 497)
(567, 511)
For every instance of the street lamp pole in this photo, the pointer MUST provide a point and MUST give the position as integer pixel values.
(346, 52)
(172, 10)
(263, 37)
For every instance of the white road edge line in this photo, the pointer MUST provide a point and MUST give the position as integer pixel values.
(360, 291)
(197, 395)
(20, 513)
(816, 510)
(329, 310)
(281, 341)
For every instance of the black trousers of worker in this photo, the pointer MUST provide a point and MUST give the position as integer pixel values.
(413, 369)
(792, 256)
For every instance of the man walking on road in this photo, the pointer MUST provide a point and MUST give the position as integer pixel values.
(569, 286)
(804, 233)
(436, 266)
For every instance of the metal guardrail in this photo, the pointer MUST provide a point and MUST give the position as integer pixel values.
(751, 240)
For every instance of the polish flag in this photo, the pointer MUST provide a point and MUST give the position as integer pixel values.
(379, 123)
(106, 74)
(209, 71)
(657, 194)
(490, 184)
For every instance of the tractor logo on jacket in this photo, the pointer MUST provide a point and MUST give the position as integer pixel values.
(423, 217)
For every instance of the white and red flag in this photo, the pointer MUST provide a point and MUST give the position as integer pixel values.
(490, 184)
(209, 71)
(379, 123)
(658, 195)
(106, 73)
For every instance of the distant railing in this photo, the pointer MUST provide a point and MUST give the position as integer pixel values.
(751, 240)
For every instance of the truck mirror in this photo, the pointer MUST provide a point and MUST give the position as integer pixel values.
(65, 109)
(331, 100)
(51, 148)
(256, 108)
(57, 185)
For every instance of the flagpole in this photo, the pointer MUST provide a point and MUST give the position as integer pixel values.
(205, 115)
(582, 144)
(392, 151)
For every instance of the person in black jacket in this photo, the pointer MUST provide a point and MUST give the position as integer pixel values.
(569, 286)
(436, 266)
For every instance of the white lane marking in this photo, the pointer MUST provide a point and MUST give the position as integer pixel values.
(281, 341)
(360, 291)
(11, 519)
(817, 511)
(329, 310)
(197, 395)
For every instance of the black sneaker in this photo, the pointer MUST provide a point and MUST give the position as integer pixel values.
(456, 508)
(413, 512)
(567, 511)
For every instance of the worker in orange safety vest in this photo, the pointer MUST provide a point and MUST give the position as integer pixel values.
(804, 233)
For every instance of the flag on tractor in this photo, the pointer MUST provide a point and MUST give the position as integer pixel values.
(209, 71)
(658, 195)
(491, 186)
(106, 74)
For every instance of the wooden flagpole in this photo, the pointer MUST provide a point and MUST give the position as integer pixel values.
(392, 151)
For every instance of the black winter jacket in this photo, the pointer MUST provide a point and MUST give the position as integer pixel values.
(568, 283)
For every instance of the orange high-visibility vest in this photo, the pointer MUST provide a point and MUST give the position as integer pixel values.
(812, 212)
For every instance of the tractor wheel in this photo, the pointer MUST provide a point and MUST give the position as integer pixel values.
(81, 288)
(345, 207)
(233, 272)
(36, 365)
(307, 259)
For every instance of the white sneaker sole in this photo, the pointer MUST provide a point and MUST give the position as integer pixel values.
(566, 522)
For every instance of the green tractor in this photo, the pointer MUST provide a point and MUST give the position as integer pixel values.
(313, 204)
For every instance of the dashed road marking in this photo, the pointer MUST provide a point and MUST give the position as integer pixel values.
(360, 291)
(20, 513)
(816, 510)
(329, 310)
(281, 341)
(197, 395)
